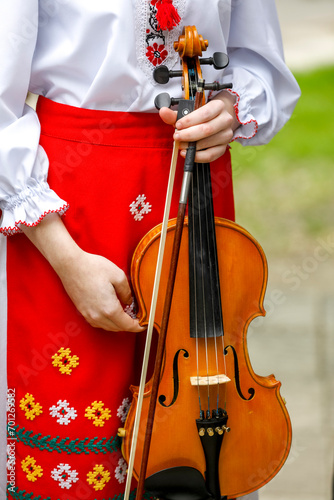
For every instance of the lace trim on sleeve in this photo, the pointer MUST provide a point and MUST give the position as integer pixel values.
(9, 231)
(29, 207)
(249, 126)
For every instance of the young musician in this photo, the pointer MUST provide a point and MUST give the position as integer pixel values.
(82, 180)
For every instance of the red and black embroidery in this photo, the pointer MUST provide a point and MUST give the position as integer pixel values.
(157, 26)
(155, 39)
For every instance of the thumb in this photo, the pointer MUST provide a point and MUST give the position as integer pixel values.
(168, 116)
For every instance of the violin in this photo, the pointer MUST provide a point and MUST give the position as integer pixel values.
(217, 429)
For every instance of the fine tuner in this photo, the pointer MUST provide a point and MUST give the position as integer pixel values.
(162, 74)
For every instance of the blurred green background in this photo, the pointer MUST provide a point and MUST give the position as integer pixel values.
(284, 190)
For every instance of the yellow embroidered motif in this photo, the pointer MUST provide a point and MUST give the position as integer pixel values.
(64, 361)
(30, 407)
(99, 477)
(97, 413)
(32, 470)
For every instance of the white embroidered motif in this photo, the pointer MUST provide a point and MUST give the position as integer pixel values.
(131, 310)
(64, 475)
(120, 471)
(123, 409)
(139, 208)
(63, 412)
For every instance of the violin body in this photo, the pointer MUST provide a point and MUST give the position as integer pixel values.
(260, 431)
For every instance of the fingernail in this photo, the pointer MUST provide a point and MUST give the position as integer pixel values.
(176, 136)
(183, 153)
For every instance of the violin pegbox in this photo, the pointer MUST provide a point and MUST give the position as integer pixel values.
(189, 45)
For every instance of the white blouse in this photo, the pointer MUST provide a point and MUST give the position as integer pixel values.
(100, 54)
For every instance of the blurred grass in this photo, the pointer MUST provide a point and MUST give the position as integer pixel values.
(284, 191)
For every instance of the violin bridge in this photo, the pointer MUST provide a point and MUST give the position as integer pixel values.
(210, 380)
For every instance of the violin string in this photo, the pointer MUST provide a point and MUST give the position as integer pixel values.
(200, 209)
(195, 297)
(225, 371)
(212, 281)
(193, 76)
(220, 312)
(198, 171)
(192, 92)
(198, 251)
(210, 234)
(223, 345)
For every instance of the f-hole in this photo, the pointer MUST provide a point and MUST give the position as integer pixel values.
(251, 391)
(176, 381)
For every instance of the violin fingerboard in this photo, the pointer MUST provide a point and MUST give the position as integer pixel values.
(205, 301)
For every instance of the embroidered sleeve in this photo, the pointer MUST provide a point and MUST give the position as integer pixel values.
(25, 196)
(265, 90)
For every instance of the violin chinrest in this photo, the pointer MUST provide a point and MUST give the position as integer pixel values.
(178, 483)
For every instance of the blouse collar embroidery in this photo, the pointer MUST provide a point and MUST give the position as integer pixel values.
(154, 45)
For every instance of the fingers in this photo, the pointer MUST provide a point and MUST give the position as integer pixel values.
(201, 115)
(205, 122)
(121, 321)
(210, 148)
(207, 155)
(98, 288)
(121, 285)
(117, 318)
(111, 316)
(210, 127)
(115, 321)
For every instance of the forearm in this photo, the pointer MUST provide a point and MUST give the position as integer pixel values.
(97, 287)
(54, 242)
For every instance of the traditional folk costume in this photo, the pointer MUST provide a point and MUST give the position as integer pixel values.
(97, 150)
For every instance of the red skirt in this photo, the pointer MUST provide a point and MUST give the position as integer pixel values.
(71, 381)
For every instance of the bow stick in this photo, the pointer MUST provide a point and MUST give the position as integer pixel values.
(150, 326)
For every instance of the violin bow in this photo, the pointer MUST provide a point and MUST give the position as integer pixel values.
(150, 326)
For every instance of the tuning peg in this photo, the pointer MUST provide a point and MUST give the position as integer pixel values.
(219, 60)
(165, 100)
(217, 86)
(162, 74)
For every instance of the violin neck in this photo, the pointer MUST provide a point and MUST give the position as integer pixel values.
(205, 301)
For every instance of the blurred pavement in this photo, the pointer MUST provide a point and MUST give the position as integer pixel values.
(308, 32)
(295, 340)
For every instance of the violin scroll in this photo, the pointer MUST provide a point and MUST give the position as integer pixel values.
(190, 43)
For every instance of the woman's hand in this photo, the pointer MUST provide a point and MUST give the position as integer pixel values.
(96, 286)
(212, 126)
